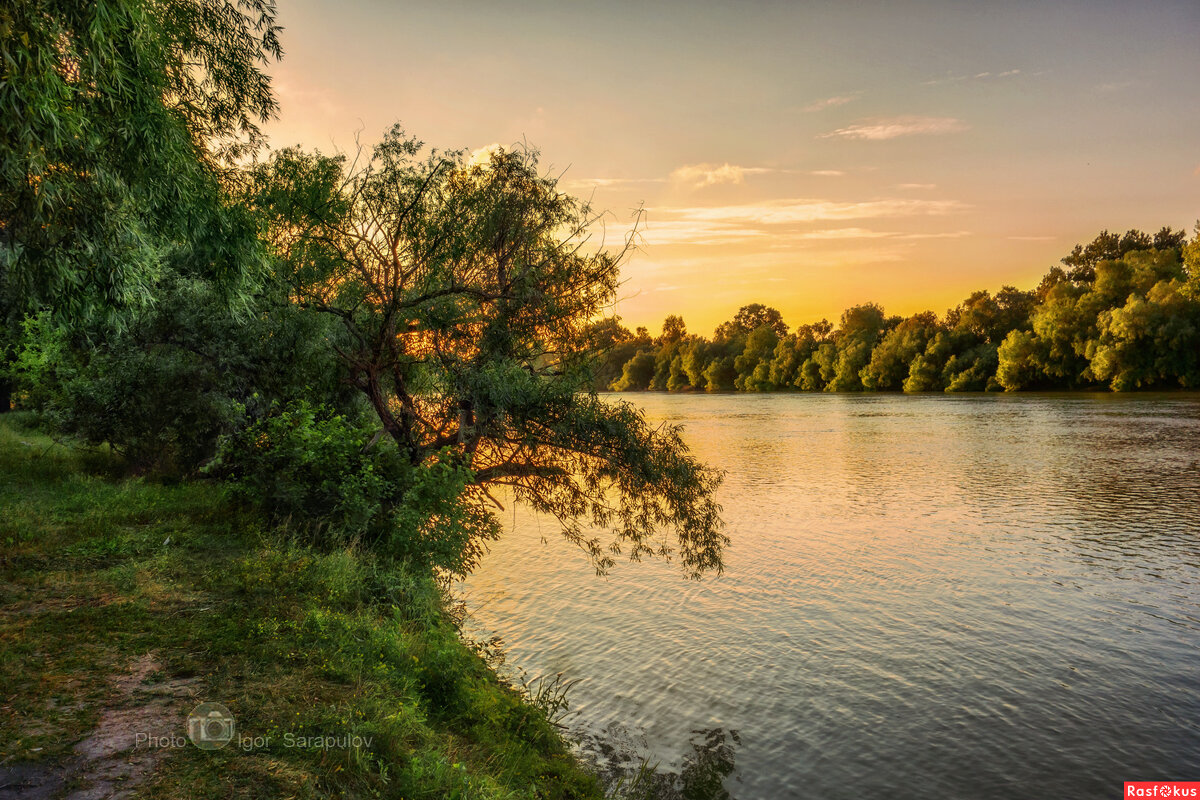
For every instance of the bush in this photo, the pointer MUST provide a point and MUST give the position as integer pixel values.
(337, 483)
(163, 389)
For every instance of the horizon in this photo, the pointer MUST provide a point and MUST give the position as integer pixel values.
(810, 159)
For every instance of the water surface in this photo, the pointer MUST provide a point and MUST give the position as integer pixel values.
(981, 596)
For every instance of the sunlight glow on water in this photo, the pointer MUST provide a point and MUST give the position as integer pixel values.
(925, 597)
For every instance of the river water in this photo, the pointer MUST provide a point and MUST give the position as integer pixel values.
(926, 597)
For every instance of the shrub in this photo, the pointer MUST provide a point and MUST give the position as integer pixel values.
(337, 483)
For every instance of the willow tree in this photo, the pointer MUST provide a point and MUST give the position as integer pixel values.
(120, 122)
(467, 290)
(120, 118)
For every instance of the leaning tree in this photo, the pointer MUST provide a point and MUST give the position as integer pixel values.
(467, 289)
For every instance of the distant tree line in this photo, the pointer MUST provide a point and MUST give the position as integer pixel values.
(1121, 313)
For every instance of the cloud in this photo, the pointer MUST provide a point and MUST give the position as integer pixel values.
(792, 211)
(865, 233)
(695, 232)
(697, 176)
(1032, 238)
(316, 99)
(612, 181)
(894, 127)
(918, 186)
(831, 102)
(978, 76)
(783, 223)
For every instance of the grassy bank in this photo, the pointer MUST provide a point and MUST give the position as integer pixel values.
(124, 603)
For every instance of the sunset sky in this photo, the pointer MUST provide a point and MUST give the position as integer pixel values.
(805, 155)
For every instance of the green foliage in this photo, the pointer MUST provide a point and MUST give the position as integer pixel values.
(468, 301)
(637, 373)
(753, 366)
(861, 328)
(117, 119)
(750, 318)
(720, 374)
(1150, 341)
(328, 480)
(973, 370)
(102, 574)
(1122, 314)
(163, 388)
(890, 360)
(1020, 360)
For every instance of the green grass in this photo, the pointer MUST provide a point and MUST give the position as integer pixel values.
(98, 571)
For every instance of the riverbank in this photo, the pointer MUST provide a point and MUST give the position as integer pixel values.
(124, 603)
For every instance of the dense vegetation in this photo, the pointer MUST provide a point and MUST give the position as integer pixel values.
(1123, 313)
(318, 379)
(377, 346)
(124, 601)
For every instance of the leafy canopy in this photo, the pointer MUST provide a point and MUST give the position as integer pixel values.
(466, 290)
(119, 121)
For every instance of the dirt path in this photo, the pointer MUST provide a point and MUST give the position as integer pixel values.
(113, 760)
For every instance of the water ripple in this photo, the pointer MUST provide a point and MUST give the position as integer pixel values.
(926, 597)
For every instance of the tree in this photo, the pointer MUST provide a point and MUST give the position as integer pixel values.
(861, 328)
(754, 364)
(749, 318)
(613, 345)
(890, 360)
(720, 374)
(673, 330)
(925, 371)
(1020, 357)
(466, 292)
(694, 360)
(1150, 341)
(1111, 247)
(637, 373)
(1083, 260)
(119, 120)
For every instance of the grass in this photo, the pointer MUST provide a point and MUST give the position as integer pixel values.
(100, 572)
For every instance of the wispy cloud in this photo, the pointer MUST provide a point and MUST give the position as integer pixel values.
(604, 182)
(923, 187)
(831, 102)
(781, 223)
(698, 176)
(1114, 86)
(695, 232)
(694, 176)
(978, 76)
(881, 129)
(1032, 238)
(315, 99)
(790, 211)
(866, 233)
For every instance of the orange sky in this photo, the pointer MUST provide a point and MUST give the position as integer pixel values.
(805, 155)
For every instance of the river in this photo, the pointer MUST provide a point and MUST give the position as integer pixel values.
(985, 596)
